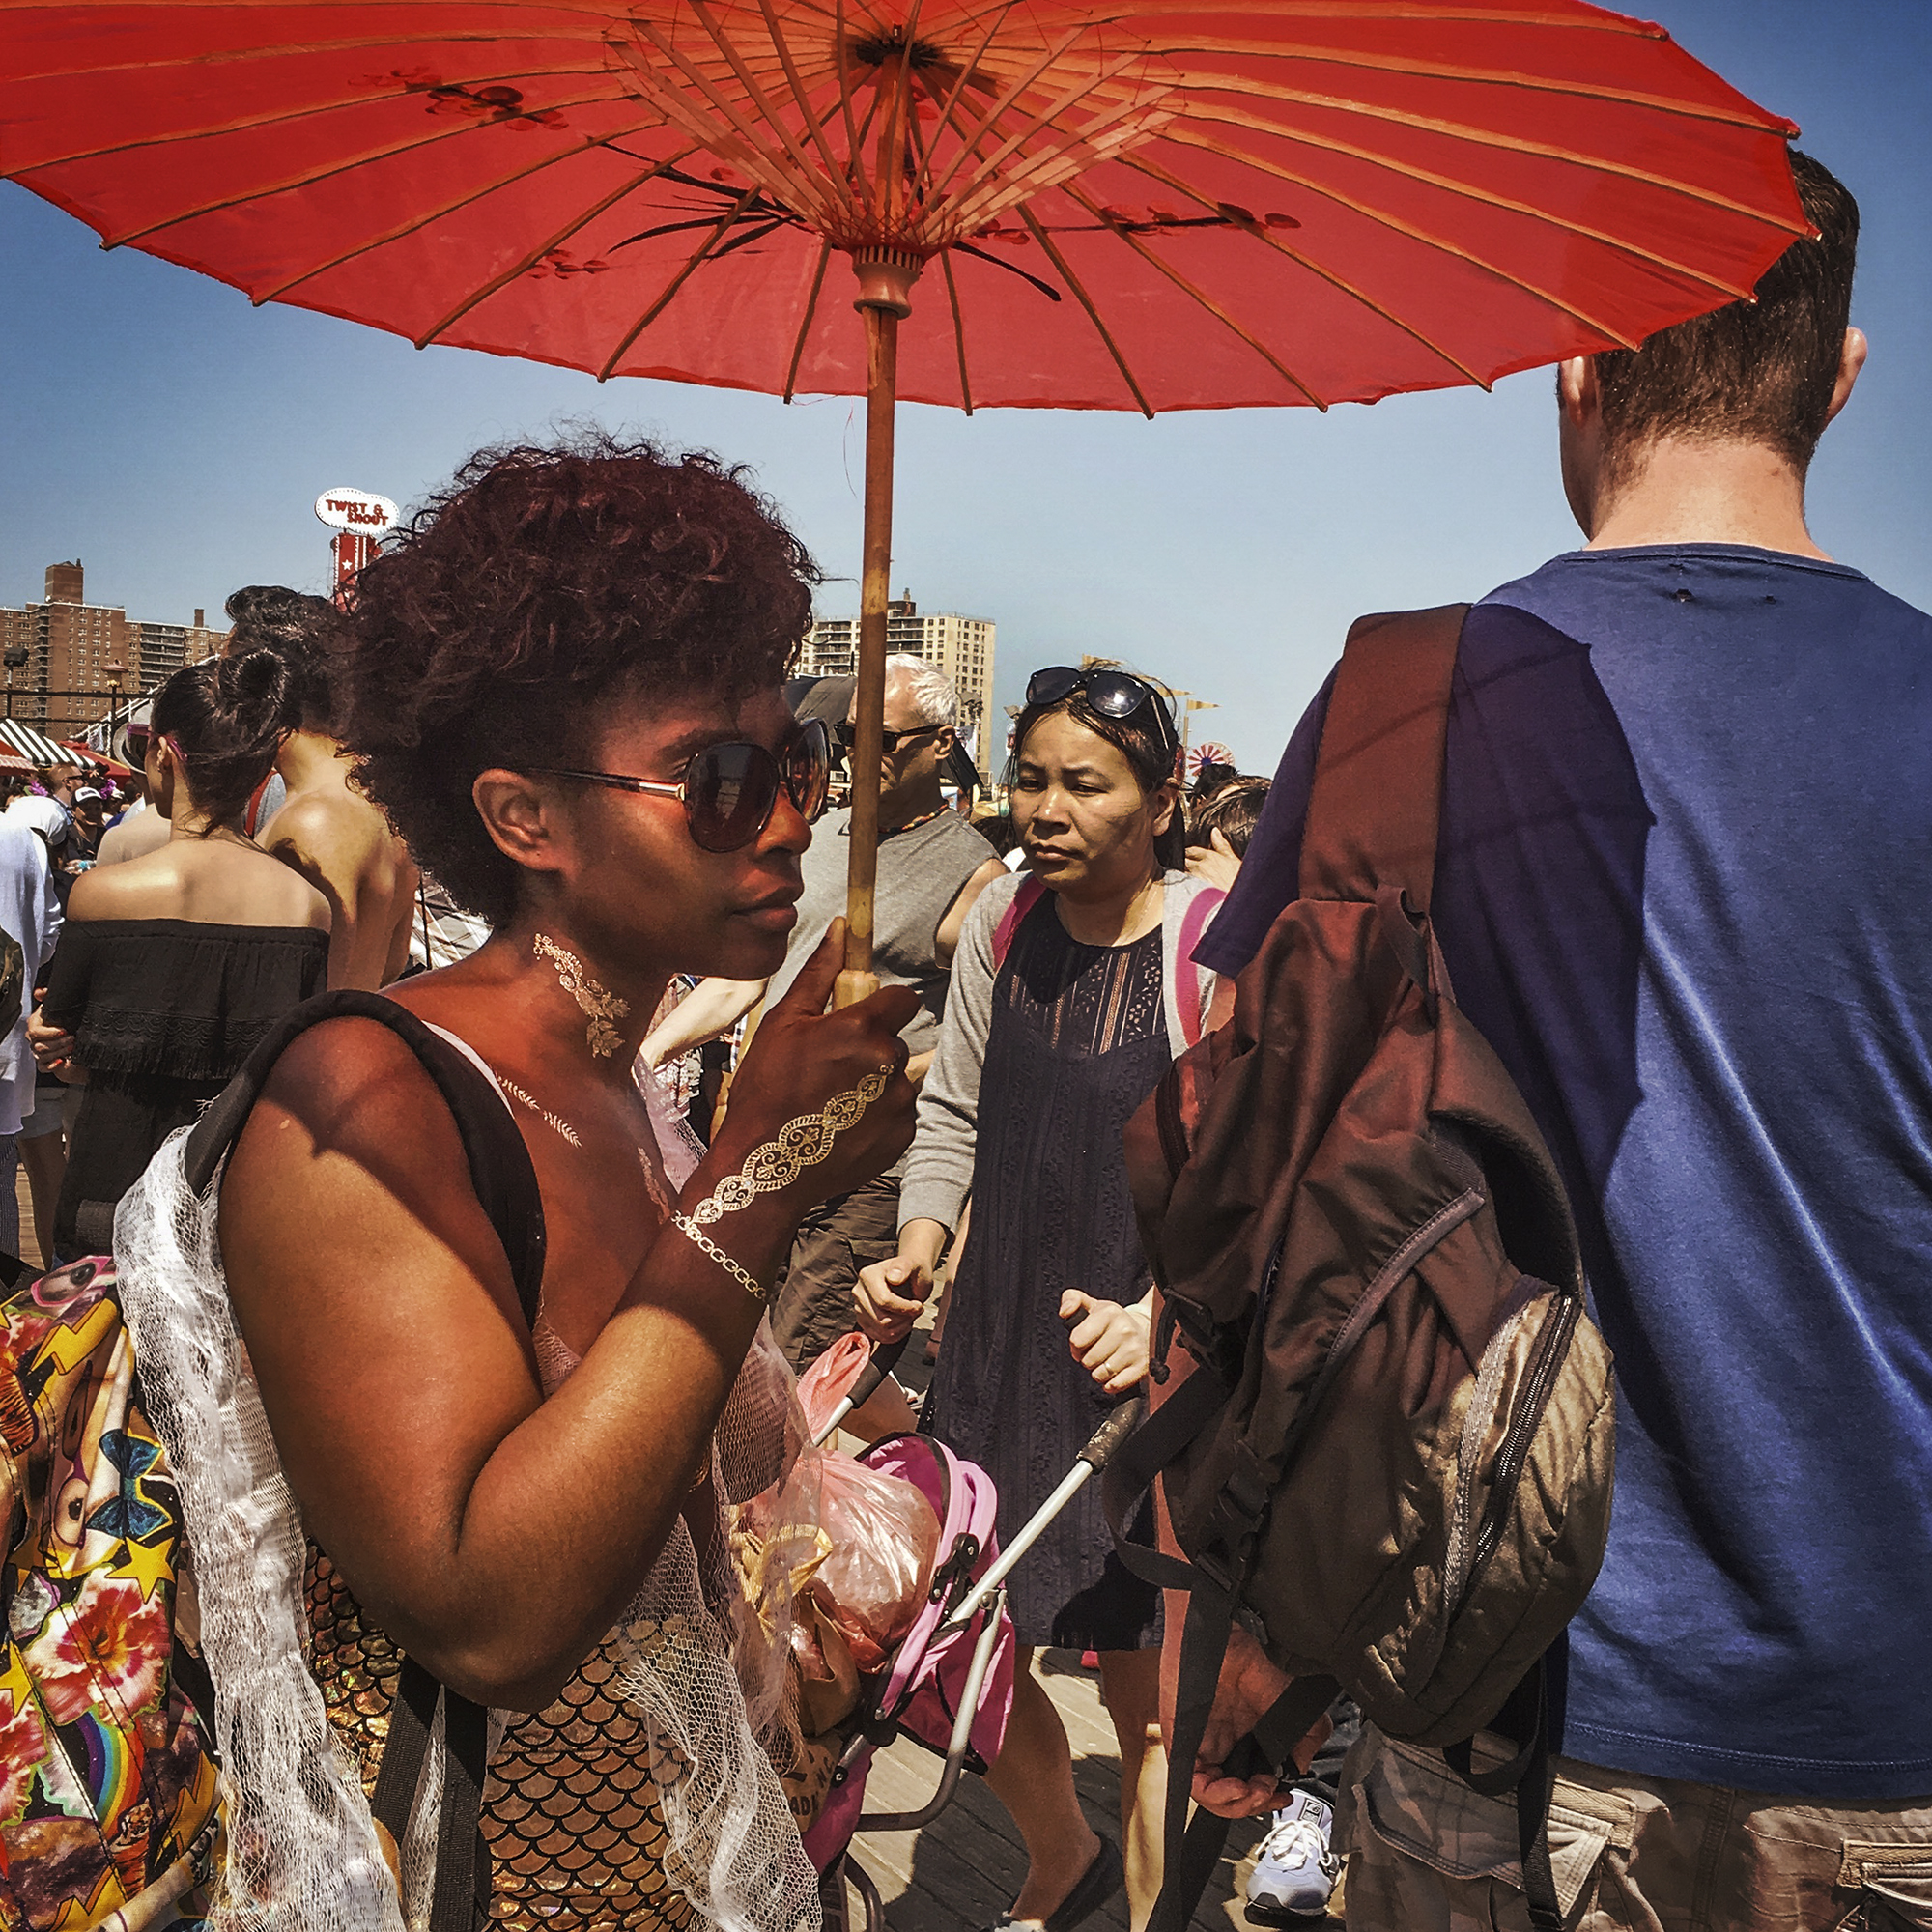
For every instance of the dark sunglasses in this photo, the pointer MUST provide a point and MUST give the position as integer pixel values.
(1112, 694)
(889, 740)
(730, 792)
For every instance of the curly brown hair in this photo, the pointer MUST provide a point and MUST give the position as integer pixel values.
(540, 587)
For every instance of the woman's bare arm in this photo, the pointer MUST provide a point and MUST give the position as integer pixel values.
(494, 1535)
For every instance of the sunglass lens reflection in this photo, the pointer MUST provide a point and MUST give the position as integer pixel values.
(730, 792)
(807, 771)
(1051, 685)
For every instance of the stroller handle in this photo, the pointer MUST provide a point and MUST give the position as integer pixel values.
(1120, 1423)
(885, 1359)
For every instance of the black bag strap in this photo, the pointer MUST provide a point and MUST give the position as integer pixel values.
(506, 1185)
(500, 1163)
(1376, 801)
(1524, 1719)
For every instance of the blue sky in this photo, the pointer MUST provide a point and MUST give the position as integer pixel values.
(175, 438)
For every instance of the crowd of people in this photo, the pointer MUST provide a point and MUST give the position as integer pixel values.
(548, 753)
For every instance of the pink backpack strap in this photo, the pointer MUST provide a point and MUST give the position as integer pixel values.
(1024, 900)
(1201, 908)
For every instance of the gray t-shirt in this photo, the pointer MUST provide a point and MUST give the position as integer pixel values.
(921, 872)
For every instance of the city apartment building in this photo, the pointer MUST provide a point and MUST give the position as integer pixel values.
(961, 646)
(82, 659)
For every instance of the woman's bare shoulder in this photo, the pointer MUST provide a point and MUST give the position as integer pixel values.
(347, 1119)
(145, 888)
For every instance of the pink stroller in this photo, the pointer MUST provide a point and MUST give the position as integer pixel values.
(949, 1683)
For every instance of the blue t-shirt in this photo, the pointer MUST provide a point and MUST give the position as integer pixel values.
(1684, 889)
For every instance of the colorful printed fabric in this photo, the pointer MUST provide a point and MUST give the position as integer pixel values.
(108, 1794)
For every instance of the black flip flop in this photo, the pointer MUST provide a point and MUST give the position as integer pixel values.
(1097, 1883)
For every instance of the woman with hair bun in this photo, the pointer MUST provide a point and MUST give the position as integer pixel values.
(173, 965)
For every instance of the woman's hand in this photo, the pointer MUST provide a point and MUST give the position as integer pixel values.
(49, 1043)
(1109, 1342)
(803, 1058)
(891, 1292)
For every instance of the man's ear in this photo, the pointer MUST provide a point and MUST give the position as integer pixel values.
(1577, 394)
(519, 817)
(1850, 359)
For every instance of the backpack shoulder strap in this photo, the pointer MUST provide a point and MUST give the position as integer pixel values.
(1029, 895)
(1377, 796)
(500, 1163)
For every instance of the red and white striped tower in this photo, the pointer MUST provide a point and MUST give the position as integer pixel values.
(360, 519)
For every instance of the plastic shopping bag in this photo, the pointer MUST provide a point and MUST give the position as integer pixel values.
(879, 1538)
(885, 1539)
(829, 1381)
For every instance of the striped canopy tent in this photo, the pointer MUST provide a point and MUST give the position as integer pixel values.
(85, 753)
(34, 746)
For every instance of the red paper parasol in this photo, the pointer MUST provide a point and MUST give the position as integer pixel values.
(1137, 205)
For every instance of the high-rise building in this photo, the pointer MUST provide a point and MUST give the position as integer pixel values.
(961, 646)
(81, 659)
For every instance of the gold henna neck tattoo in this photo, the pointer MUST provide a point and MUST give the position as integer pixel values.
(598, 1004)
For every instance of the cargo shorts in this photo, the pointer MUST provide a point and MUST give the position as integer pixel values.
(1628, 1854)
(813, 1303)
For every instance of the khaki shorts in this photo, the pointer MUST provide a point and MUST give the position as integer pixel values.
(1628, 1854)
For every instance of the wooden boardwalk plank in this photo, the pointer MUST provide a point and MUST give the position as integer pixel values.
(962, 1871)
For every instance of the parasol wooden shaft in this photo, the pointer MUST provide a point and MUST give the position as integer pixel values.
(882, 341)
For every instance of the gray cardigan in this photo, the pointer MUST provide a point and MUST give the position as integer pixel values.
(939, 1170)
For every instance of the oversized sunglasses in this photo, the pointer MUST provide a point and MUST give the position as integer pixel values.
(1112, 694)
(730, 792)
(889, 740)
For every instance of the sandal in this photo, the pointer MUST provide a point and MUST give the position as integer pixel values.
(1100, 1882)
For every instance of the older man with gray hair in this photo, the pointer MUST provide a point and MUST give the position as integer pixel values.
(933, 866)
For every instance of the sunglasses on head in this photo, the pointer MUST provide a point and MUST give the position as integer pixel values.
(847, 735)
(1112, 694)
(730, 792)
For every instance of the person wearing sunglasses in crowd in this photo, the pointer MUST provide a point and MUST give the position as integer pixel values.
(933, 866)
(1072, 989)
(562, 686)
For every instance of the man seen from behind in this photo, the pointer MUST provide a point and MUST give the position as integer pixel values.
(1686, 816)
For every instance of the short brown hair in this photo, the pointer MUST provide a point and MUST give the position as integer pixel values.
(1759, 371)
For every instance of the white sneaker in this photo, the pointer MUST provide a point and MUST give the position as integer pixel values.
(1296, 1870)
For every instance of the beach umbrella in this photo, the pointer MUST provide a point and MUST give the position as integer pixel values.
(1148, 205)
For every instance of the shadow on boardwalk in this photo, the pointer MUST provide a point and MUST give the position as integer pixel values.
(964, 1869)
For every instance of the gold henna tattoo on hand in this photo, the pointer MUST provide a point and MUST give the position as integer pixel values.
(602, 1006)
(800, 1144)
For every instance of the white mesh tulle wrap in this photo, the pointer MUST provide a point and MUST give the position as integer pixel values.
(303, 1855)
(301, 1846)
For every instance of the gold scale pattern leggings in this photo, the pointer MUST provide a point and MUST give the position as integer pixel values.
(570, 1811)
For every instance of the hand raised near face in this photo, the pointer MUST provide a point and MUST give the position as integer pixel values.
(805, 1063)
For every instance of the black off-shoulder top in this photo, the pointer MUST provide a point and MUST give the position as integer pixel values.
(163, 1011)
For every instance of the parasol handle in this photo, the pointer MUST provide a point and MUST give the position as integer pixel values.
(858, 981)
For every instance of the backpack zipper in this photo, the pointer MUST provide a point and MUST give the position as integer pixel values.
(1514, 1451)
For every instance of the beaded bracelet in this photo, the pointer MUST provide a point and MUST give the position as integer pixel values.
(736, 1270)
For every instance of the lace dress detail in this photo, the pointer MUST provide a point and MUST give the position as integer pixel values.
(1078, 1040)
